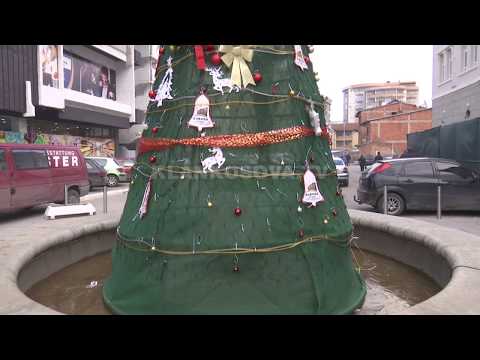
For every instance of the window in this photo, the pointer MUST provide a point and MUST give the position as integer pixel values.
(3, 161)
(30, 159)
(449, 64)
(89, 167)
(101, 162)
(465, 58)
(454, 172)
(421, 168)
(441, 67)
(474, 54)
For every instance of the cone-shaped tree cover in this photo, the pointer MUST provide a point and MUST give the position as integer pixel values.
(234, 206)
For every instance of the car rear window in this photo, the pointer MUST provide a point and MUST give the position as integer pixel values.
(338, 162)
(101, 162)
(30, 159)
(419, 168)
(3, 162)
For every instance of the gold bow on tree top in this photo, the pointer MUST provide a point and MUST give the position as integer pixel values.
(236, 55)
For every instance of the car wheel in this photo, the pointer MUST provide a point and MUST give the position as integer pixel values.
(112, 180)
(73, 197)
(395, 204)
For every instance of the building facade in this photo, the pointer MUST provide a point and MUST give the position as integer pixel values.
(344, 136)
(456, 83)
(385, 128)
(326, 109)
(80, 95)
(360, 97)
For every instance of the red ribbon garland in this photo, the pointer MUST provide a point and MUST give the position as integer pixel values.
(227, 141)
(199, 54)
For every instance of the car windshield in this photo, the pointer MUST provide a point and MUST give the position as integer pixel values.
(338, 161)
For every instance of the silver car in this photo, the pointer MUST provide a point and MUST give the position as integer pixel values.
(342, 171)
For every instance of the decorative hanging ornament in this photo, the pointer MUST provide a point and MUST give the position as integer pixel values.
(152, 159)
(237, 211)
(216, 59)
(301, 233)
(299, 58)
(314, 119)
(201, 113)
(219, 83)
(299, 209)
(146, 196)
(257, 77)
(307, 59)
(217, 159)
(200, 56)
(311, 195)
(155, 130)
(165, 88)
(152, 94)
(234, 58)
(209, 47)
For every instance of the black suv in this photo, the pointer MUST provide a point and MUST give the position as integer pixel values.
(412, 184)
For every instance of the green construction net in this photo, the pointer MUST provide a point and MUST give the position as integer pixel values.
(236, 239)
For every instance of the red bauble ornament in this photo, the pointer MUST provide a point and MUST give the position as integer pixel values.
(257, 77)
(301, 233)
(152, 159)
(307, 59)
(155, 130)
(152, 94)
(237, 211)
(209, 47)
(216, 59)
(161, 50)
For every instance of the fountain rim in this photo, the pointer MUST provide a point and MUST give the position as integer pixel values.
(461, 251)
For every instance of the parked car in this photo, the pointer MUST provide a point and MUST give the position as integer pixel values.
(412, 184)
(127, 164)
(342, 171)
(97, 176)
(115, 172)
(31, 175)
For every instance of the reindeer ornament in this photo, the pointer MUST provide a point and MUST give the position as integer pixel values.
(218, 83)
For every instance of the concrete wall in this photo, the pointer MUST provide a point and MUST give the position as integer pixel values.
(451, 108)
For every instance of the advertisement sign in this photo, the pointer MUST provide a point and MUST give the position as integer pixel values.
(87, 77)
(49, 64)
(88, 146)
(62, 158)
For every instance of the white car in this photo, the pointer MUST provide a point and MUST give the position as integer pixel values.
(115, 172)
(342, 171)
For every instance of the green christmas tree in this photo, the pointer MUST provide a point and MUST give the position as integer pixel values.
(234, 206)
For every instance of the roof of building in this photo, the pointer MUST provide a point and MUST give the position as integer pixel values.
(383, 85)
(394, 115)
(348, 126)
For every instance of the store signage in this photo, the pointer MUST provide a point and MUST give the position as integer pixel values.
(62, 158)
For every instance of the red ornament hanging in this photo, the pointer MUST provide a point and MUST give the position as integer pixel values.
(152, 94)
(152, 159)
(155, 130)
(209, 47)
(237, 211)
(216, 59)
(257, 77)
(161, 51)
(301, 233)
(200, 57)
(307, 59)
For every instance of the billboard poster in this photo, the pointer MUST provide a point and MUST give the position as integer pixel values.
(97, 147)
(87, 77)
(49, 64)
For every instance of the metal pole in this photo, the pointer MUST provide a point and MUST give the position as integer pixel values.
(66, 193)
(105, 203)
(385, 209)
(439, 202)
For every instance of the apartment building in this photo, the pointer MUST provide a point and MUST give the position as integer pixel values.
(456, 83)
(345, 136)
(360, 97)
(82, 95)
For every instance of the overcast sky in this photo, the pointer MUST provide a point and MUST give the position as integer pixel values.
(340, 66)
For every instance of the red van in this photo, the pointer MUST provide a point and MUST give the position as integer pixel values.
(36, 174)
